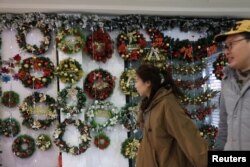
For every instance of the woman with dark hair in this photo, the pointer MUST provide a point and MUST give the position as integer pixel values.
(170, 138)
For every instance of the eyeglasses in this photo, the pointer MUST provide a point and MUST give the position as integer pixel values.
(229, 45)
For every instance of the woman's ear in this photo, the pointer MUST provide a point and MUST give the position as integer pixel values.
(148, 84)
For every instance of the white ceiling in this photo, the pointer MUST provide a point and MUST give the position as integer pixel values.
(231, 8)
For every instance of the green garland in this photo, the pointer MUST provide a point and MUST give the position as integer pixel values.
(102, 110)
(43, 142)
(10, 99)
(10, 127)
(129, 115)
(28, 109)
(42, 64)
(69, 71)
(17, 146)
(68, 46)
(24, 29)
(127, 82)
(84, 132)
(101, 141)
(189, 84)
(77, 95)
(130, 148)
(218, 66)
(209, 133)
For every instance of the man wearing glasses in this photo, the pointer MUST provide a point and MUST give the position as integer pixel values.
(234, 125)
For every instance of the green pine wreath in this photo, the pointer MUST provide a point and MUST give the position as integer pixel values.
(10, 127)
(10, 99)
(43, 142)
(19, 150)
(127, 82)
(130, 148)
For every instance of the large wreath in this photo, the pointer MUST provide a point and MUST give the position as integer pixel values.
(78, 98)
(10, 99)
(218, 66)
(10, 127)
(28, 108)
(129, 115)
(127, 82)
(24, 29)
(18, 146)
(70, 46)
(69, 71)
(85, 137)
(102, 115)
(99, 45)
(130, 148)
(39, 64)
(131, 45)
(101, 141)
(99, 84)
(43, 142)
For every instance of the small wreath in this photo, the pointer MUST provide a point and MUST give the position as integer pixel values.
(157, 55)
(10, 99)
(23, 146)
(78, 97)
(23, 30)
(209, 133)
(70, 46)
(131, 45)
(101, 141)
(129, 115)
(99, 84)
(102, 115)
(130, 148)
(10, 127)
(28, 109)
(99, 45)
(43, 142)
(85, 137)
(218, 66)
(69, 71)
(127, 82)
(39, 64)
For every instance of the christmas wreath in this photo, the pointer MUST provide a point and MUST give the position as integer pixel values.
(69, 71)
(209, 133)
(10, 127)
(157, 55)
(99, 84)
(102, 115)
(43, 142)
(84, 132)
(37, 64)
(23, 146)
(76, 105)
(10, 99)
(131, 45)
(130, 148)
(70, 46)
(127, 82)
(218, 66)
(101, 141)
(99, 45)
(24, 29)
(29, 107)
(129, 115)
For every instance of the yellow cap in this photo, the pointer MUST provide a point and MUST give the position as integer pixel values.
(240, 26)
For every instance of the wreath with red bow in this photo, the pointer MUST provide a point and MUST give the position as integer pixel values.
(99, 45)
(218, 66)
(131, 45)
(99, 84)
(42, 64)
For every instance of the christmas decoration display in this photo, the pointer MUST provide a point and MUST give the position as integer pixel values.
(77, 103)
(69, 71)
(102, 115)
(202, 112)
(187, 84)
(30, 107)
(84, 137)
(72, 45)
(10, 127)
(10, 99)
(43, 142)
(99, 84)
(99, 45)
(131, 45)
(218, 66)
(127, 82)
(101, 141)
(41, 65)
(130, 148)
(25, 28)
(18, 146)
